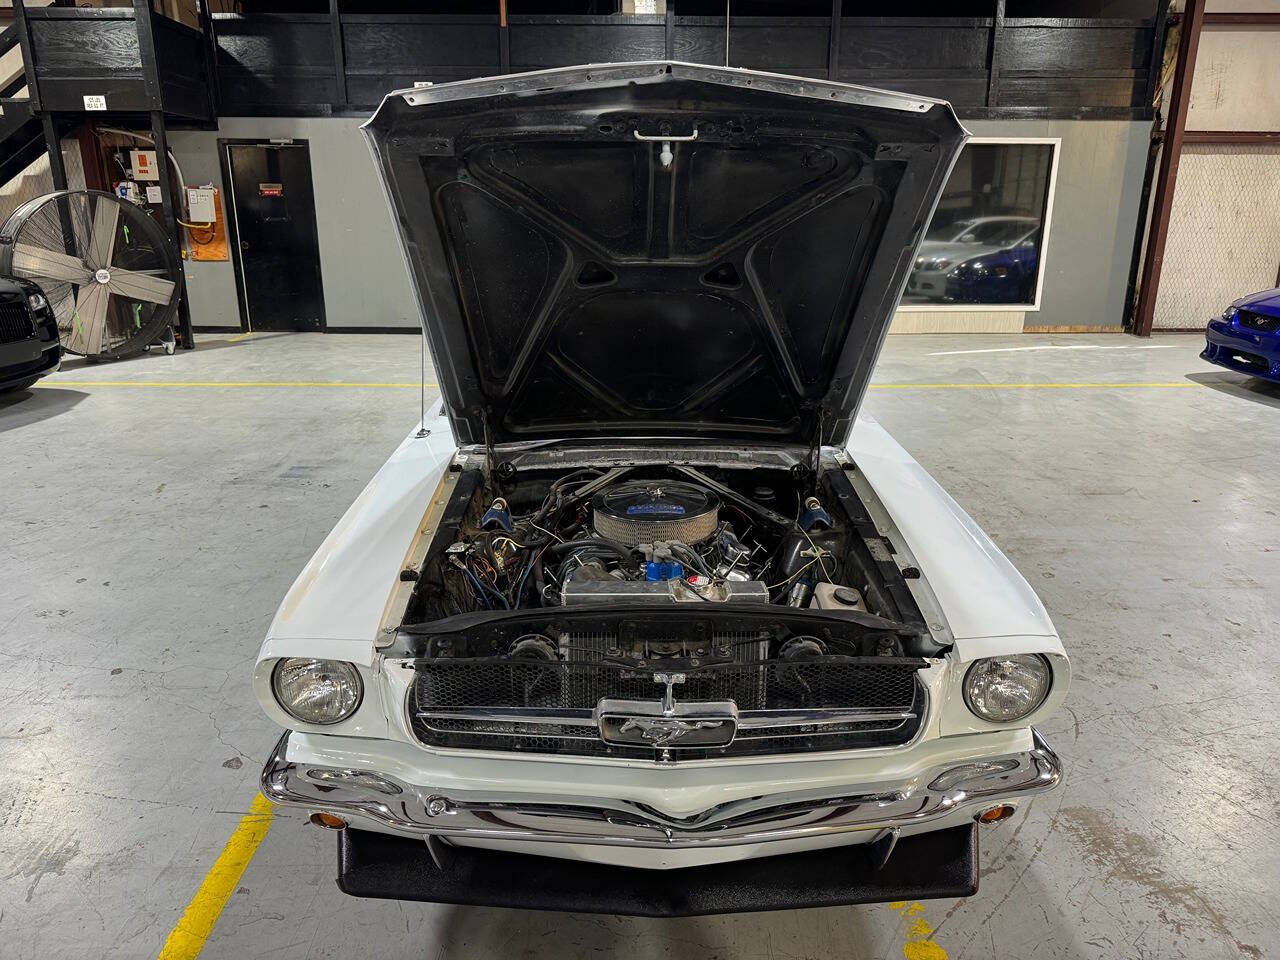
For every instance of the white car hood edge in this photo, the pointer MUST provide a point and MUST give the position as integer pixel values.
(335, 607)
(989, 607)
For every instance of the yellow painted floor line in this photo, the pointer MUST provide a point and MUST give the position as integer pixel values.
(1128, 385)
(239, 337)
(226, 384)
(919, 944)
(340, 384)
(187, 939)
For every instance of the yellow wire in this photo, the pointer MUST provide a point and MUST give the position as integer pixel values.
(817, 555)
(792, 577)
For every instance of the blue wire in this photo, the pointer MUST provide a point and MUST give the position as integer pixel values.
(493, 592)
(520, 587)
(479, 587)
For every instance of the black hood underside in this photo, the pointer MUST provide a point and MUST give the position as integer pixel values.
(579, 274)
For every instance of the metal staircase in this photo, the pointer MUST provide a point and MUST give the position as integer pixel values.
(63, 66)
(21, 132)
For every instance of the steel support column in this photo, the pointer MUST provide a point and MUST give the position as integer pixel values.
(833, 41)
(53, 143)
(1167, 178)
(504, 38)
(58, 174)
(169, 212)
(993, 55)
(339, 54)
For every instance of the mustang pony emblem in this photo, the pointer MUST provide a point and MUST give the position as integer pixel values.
(661, 731)
(664, 724)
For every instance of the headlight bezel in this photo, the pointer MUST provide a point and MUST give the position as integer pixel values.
(1229, 314)
(341, 667)
(37, 302)
(966, 691)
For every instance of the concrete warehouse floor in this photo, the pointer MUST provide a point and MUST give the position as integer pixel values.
(156, 510)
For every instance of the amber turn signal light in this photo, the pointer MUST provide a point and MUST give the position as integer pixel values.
(1003, 812)
(330, 820)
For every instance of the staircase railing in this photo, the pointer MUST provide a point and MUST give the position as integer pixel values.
(9, 40)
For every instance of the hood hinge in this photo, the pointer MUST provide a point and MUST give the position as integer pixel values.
(490, 455)
(815, 448)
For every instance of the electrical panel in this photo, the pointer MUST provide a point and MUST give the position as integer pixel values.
(143, 163)
(201, 204)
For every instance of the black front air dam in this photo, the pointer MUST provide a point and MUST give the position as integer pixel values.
(943, 863)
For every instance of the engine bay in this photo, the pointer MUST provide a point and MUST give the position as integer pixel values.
(664, 539)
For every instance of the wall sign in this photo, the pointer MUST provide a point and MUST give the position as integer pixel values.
(96, 102)
(271, 190)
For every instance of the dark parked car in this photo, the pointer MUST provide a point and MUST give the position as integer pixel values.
(1005, 276)
(1247, 336)
(29, 347)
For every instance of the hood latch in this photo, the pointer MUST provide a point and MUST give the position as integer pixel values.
(666, 139)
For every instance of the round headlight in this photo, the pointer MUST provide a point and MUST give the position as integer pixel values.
(1005, 689)
(36, 301)
(317, 691)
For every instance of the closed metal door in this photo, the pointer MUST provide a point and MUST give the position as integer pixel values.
(277, 249)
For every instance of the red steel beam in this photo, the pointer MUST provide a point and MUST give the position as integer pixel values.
(1231, 136)
(1254, 18)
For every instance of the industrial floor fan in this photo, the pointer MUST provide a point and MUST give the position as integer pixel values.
(105, 266)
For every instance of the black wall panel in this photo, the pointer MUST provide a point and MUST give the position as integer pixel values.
(268, 63)
(81, 48)
(1046, 67)
(1074, 49)
(538, 42)
(914, 45)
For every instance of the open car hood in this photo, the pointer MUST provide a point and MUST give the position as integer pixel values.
(658, 249)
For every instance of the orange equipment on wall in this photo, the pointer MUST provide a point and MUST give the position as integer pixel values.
(209, 242)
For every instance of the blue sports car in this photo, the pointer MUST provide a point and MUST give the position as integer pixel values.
(1005, 276)
(1247, 336)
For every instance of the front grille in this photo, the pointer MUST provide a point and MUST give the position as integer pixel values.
(572, 689)
(1258, 321)
(1250, 360)
(15, 323)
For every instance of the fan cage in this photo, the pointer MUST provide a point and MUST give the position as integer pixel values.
(98, 315)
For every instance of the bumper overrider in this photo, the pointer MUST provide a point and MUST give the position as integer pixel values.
(913, 842)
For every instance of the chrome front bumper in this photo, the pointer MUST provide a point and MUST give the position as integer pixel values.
(406, 808)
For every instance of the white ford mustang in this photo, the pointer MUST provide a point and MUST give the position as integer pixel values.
(643, 618)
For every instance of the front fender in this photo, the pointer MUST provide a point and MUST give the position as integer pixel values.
(988, 607)
(336, 605)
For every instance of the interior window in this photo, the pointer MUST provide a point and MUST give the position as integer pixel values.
(994, 203)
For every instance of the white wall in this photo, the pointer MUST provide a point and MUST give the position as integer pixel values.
(366, 283)
(1236, 85)
(362, 268)
(1091, 231)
